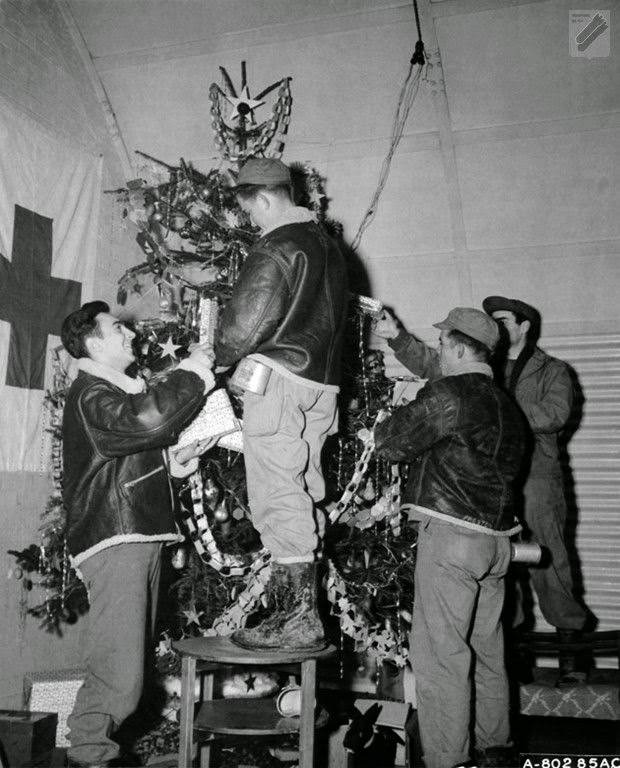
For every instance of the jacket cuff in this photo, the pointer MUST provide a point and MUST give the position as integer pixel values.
(179, 470)
(205, 373)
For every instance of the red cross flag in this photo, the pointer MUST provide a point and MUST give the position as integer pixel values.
(49, 211)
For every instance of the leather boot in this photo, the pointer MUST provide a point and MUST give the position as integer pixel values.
(292, 621)
(569, 673)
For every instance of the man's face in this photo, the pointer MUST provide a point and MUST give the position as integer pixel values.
(256, 208)
(114, 346)
(515, 331)
(448, 353)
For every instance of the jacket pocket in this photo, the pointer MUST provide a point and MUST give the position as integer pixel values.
(131, 483)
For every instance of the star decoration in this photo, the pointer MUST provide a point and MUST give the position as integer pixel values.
(169, 348)
(249, 681)
(243, 105)
(316, 196)
(193, 617)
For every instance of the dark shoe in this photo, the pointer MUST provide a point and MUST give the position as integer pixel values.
(498, 757)
(292, 622)
(125, 761)
(570, 648)
(468, 764)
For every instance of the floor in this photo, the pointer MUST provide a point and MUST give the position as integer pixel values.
(549, 736)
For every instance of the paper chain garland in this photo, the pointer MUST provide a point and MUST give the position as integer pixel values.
(361, 467)
(204, 543)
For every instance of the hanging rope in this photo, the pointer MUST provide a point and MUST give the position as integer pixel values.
(407, 96)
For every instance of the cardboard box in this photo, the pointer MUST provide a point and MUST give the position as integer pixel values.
(54, 691)
(27, 738)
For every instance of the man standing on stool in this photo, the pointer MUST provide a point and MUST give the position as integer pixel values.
(464, 438)
(543, 389)
(285, 323)
(117, 499)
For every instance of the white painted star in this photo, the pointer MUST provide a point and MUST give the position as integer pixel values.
(243, 105)
(316, 196)
(192, 617)
(169, 348)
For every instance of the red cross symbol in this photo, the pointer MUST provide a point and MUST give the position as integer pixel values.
(31, 300)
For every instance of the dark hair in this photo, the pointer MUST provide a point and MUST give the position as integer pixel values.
(80, 325)
(249, 191)
(480, 350)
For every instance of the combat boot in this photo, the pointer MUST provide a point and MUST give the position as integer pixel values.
(292, 620)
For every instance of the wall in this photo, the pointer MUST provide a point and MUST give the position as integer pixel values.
(42, 76)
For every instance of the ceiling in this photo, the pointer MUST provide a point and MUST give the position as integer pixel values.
(118, 31)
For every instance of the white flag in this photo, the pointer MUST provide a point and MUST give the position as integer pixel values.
(49, 217)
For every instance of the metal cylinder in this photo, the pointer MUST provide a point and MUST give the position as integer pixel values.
(525, 552)
(251, 375)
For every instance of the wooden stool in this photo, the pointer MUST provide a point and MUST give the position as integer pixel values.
(242, 717)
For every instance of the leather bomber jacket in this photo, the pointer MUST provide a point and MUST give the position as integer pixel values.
(466, 439)
(289, 304)
(115, 484)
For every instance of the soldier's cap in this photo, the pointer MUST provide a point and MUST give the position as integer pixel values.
(262, 171)
(496, 303)
(472, 322)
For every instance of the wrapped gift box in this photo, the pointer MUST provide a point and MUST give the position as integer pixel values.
(216, 417)
(54, 691)
(27, 738)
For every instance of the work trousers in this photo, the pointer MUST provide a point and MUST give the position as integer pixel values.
(122, 583)
(545, 515)
(284, 431)
(457, 645)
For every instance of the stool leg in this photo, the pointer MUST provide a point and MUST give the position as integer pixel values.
(207, 695)
(186, 717)
(306, 718)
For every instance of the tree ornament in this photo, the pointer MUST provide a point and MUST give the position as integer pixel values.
(169, 349)
(178, 220)
(210, 492)
(179, 558)
(221, 513)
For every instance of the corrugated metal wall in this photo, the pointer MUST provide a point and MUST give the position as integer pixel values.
(594, 460)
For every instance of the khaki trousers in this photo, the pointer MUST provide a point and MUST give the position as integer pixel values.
(122, 583)
(457, 647)
(545, 514)
(284, 431)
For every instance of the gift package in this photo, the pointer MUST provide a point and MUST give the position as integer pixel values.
(54, 691)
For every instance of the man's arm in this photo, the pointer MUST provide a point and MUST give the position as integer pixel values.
(414, 354)
(551, 412)
(120, 424)
(256, 307)
(414, 428)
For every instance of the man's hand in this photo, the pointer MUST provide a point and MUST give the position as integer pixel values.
(203, 355)
(197, 448)
(386, 326)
